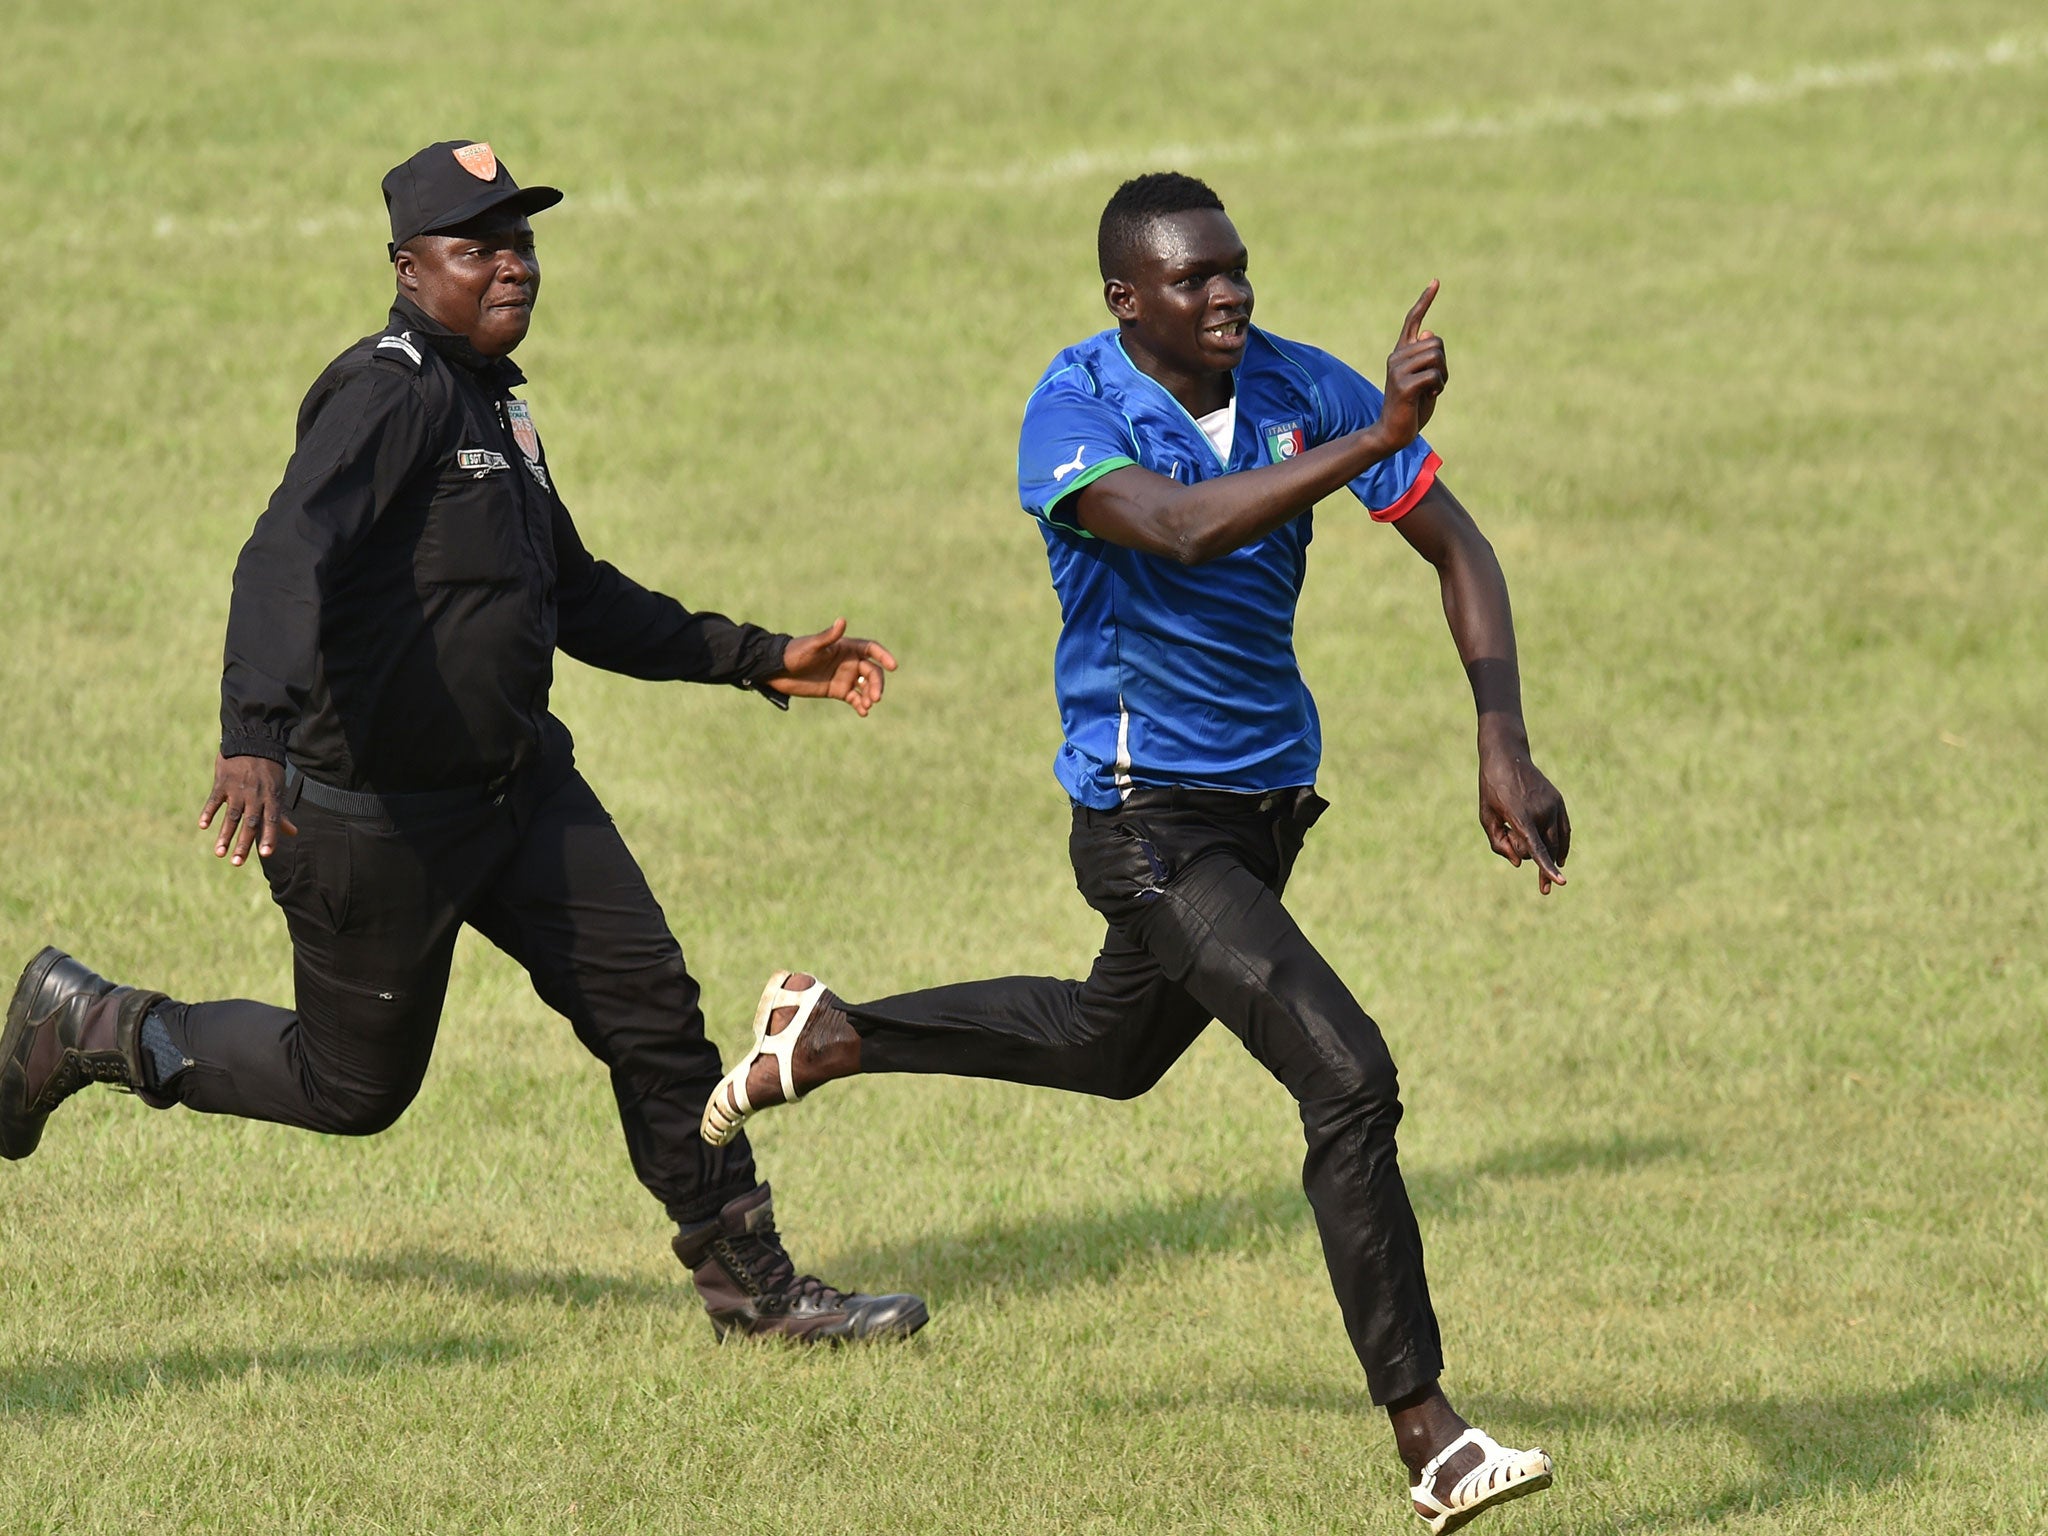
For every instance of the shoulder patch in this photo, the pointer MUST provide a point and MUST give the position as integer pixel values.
(401, 345)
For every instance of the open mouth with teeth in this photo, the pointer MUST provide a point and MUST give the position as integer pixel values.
(1229, 330)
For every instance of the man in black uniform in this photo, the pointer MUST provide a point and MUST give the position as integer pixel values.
(384, 707)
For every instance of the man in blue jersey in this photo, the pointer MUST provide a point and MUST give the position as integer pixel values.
(1172, 463)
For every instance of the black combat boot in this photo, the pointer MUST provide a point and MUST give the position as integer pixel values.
(750, 1285)
(66, 1027)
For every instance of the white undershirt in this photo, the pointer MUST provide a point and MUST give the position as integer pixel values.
(1220, 427)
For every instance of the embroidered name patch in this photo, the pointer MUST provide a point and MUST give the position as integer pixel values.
(481, 459)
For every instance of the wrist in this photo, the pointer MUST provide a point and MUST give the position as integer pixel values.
(770, 661)
(1375, 443)
(247, 744)
(1500, 731)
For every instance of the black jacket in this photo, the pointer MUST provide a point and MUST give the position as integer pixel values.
(397, 609)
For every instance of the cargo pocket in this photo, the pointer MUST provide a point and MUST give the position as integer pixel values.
(309, 874)
(392, 894)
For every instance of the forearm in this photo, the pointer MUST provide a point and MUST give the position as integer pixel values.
(1204, 521)
(273, 637)
(606, 619)
(1521, 810)
(620, 626)
(1475, 597)
(688, 648)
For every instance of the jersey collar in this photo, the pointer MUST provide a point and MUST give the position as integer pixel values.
(1173, 400)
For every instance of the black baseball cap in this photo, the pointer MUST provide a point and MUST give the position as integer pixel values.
(450, 183)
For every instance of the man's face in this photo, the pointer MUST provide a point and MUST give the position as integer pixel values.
(480, 280)
(1185, 298)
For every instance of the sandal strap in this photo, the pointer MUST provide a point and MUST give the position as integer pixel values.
(1426, 1484)
(782, 1045)
(773, 996)
(742, 1106)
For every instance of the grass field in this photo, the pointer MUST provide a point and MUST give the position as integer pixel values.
(1729, 1156)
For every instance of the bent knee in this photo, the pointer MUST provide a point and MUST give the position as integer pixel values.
(1356, 1083)
(1129, 1066)
(365, 1111)
(1375, 1110)
(1131, 1081)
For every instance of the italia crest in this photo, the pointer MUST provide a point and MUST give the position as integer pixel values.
(1283, 440)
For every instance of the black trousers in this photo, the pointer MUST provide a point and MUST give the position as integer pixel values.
(374, 905)
(1190, 883)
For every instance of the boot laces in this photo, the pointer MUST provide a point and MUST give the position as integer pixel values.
(67, 1079)
(765, 1264)
(75, 1070)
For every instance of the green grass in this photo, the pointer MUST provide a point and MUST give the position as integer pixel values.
(1728, 1155)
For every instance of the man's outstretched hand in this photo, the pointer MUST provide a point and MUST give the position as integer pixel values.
(1521, 810)
(834, 665)
(248, 792)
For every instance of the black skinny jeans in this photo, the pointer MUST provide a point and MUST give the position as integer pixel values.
(375, 905)
(1190, 883)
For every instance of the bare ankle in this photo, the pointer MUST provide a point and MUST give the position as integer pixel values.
(1424, 1422)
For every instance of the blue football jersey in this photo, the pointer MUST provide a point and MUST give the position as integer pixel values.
(1185, 675)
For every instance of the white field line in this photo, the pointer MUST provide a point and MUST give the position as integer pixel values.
(1734, 94)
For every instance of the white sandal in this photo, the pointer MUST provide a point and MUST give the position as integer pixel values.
(729, 1106)
(1501, 1475)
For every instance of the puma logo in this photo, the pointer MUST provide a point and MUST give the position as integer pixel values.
(1067, 469)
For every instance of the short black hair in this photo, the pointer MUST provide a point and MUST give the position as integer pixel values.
(1137, 204)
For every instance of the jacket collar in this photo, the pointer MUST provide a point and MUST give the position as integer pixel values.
(408, 316)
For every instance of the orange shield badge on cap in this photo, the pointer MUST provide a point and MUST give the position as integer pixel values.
(478, 160)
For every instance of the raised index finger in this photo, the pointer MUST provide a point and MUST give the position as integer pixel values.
(1413, 324)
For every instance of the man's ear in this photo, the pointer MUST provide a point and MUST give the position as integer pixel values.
(1121, 298)
(407, 267)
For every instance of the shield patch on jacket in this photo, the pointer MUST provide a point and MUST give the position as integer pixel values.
(520, 420)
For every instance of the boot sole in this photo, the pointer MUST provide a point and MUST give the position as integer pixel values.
(901, 1327)
(1508, 1495)
(21, 1132)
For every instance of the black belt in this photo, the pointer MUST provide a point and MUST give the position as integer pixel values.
(350, 802)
